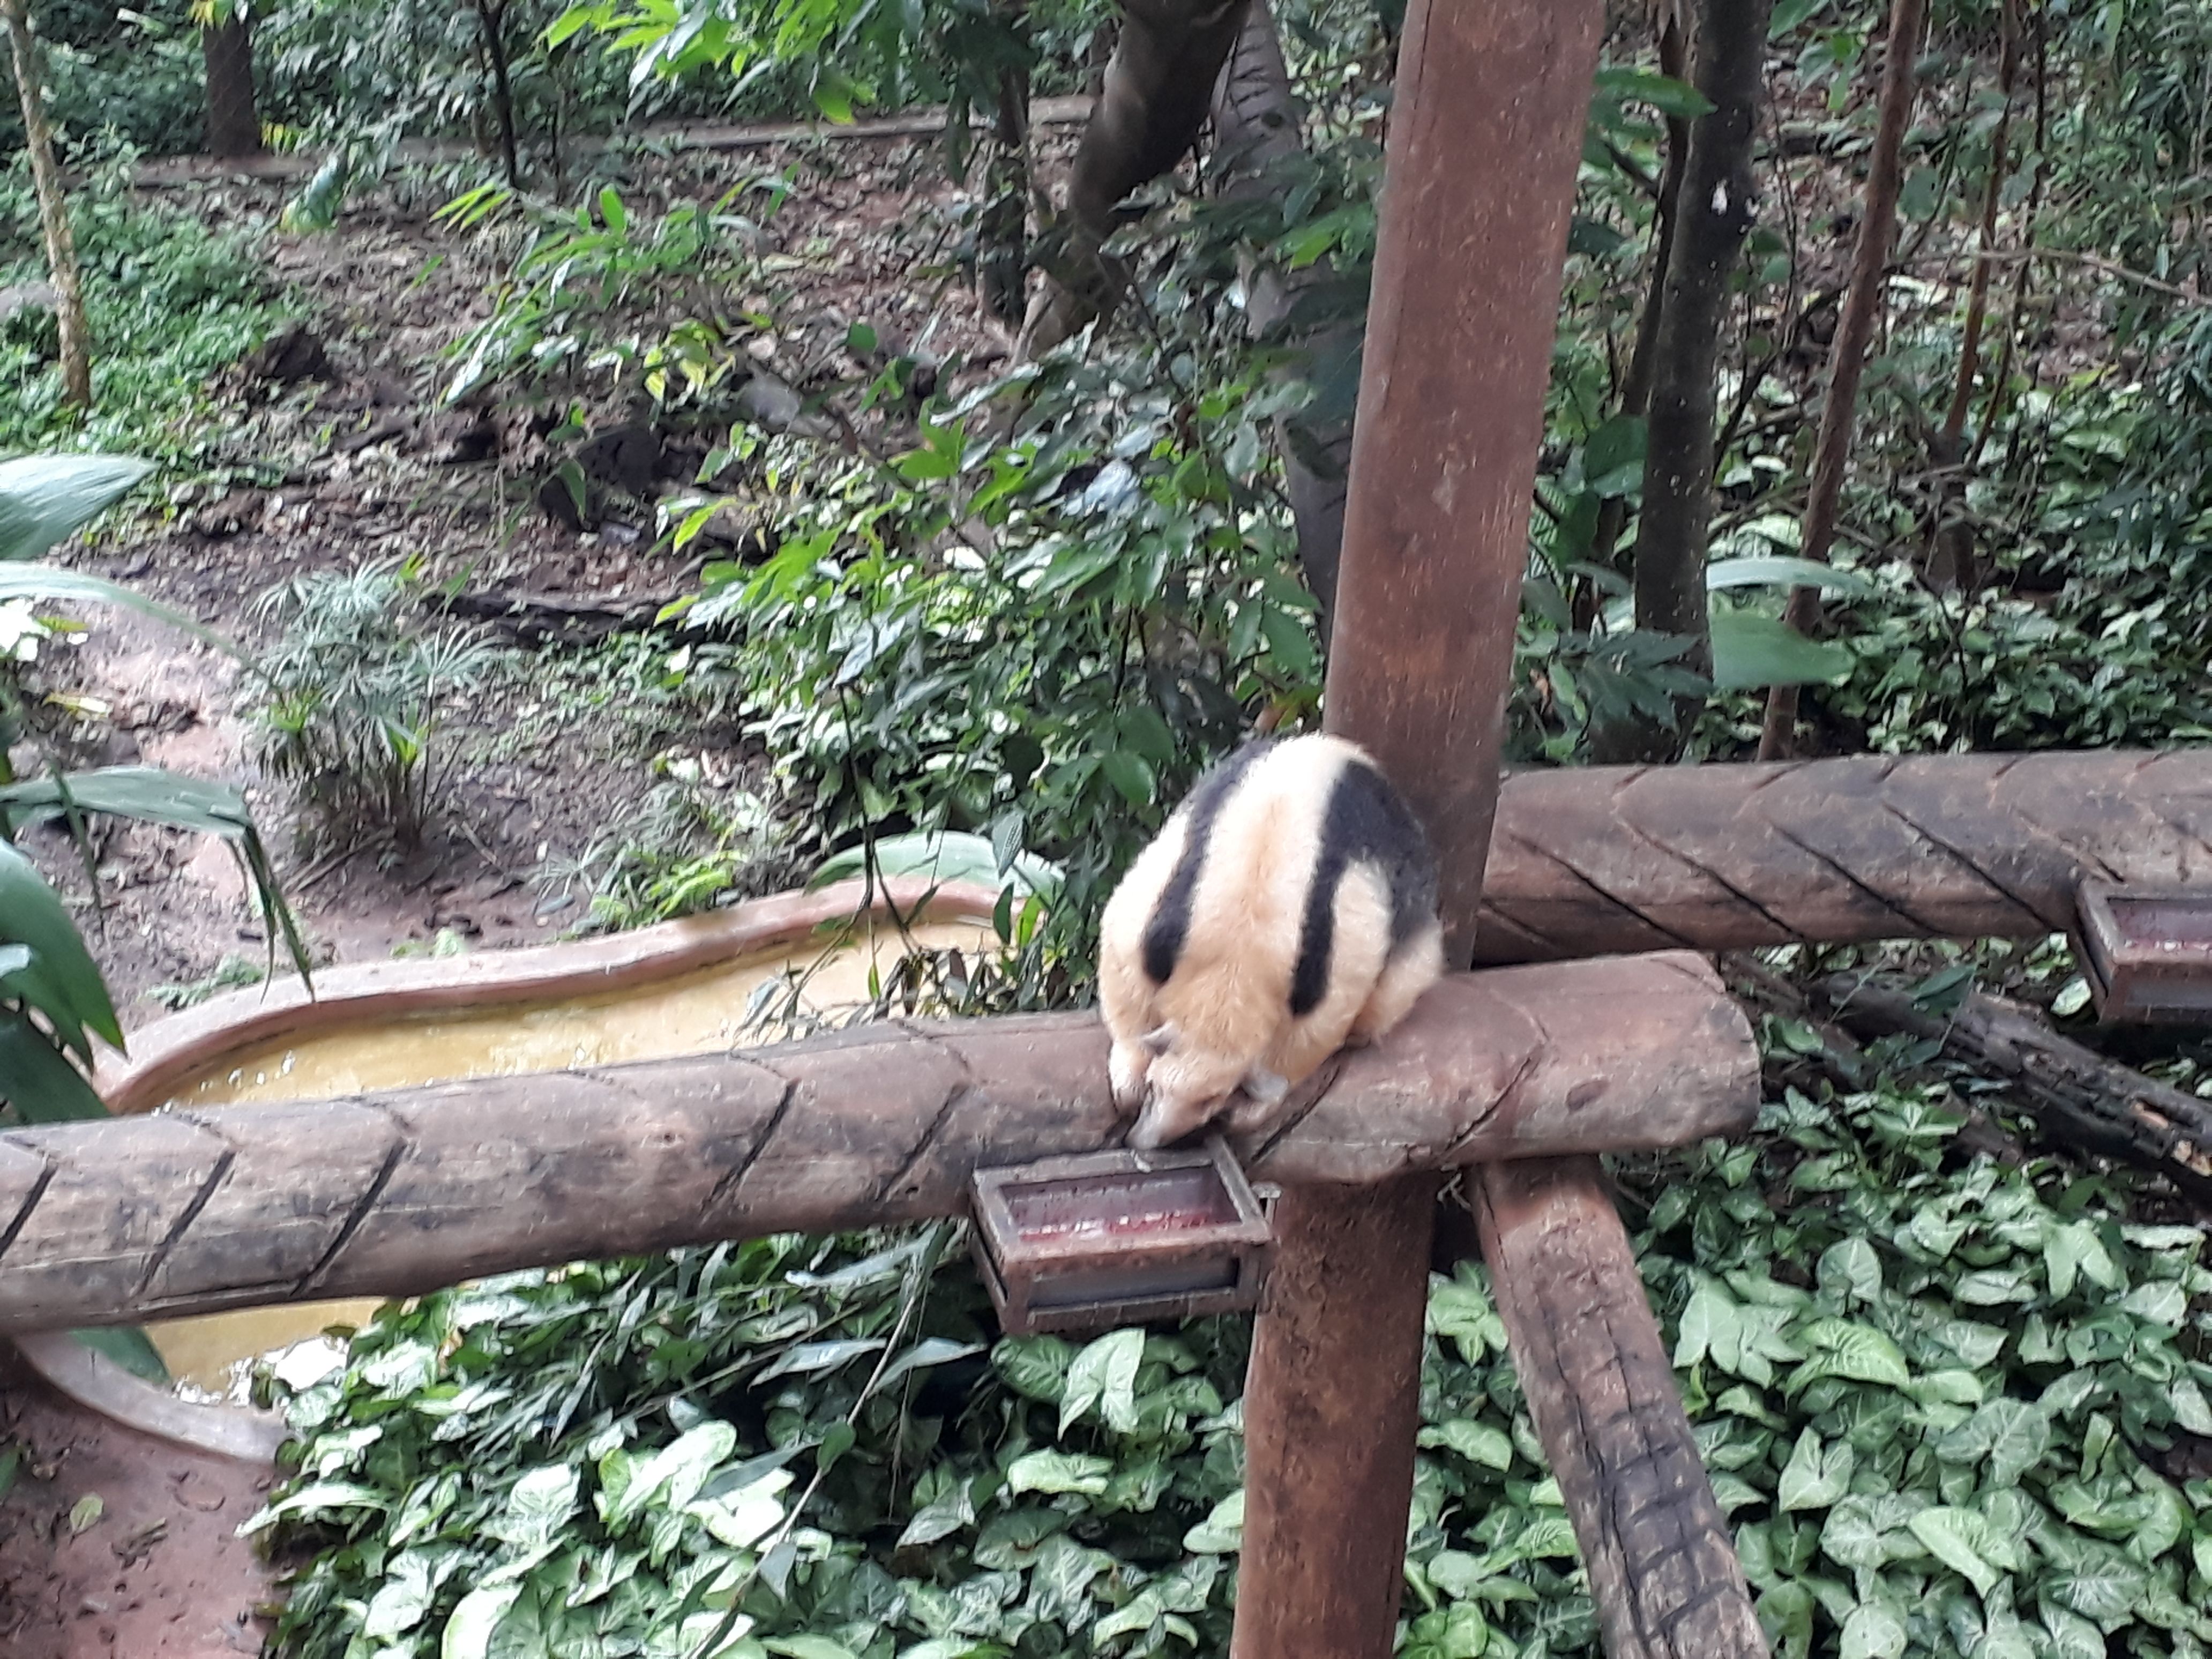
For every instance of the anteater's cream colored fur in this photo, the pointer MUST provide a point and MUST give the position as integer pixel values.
(1223, 1019)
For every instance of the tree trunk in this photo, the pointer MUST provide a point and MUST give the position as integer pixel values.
(1951, 561)
(492, 18)
(1001, 236)
(53, 210)
(1635, 389)
(1869, 272)
(1256, 125)
(1160, 86)
(233, 123)
(1713, 216)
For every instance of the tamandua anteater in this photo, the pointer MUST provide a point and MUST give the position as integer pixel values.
(1288, 908)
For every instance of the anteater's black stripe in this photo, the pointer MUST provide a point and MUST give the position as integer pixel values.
(1367, 823)
(1170, 924)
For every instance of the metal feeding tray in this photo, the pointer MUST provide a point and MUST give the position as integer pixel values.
(1114, 1238)
(2146, 951)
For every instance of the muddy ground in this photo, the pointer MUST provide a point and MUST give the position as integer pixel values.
(358, 461)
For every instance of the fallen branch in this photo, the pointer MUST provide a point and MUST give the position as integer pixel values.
(533, 619)
(2075, 1094)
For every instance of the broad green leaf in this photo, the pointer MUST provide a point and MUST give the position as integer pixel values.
(468, 1632)
(130, 1348)
(2102, 1587)
(805, 1647)
(539, 1505)
(947, 856)
(1962, 1541)
(1709, 1326)
(1873, 1632)
(402, 1601)
(805, 1358)
(1785, 1613)
(1053, 1472)
(320, 1497)
(1105, 1375)
(146, 793)
(2012, 1434)
(2160, 1302)
(2073, 1636)
(1222, 1532)
(1131, 773)
(941, 1519)
(37, 1078)
(46, 581)
(1777, 570)
(1751, 650)
(674, 1475)
(1813, 1478)
(1667, 96)
(46, 498)
(1858, 1352)
(1852, 1266)
(61, 981)
(1478, 1443)
(1034, 1366)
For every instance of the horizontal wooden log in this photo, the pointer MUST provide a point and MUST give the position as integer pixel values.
(1607, 859)
(403, 1192)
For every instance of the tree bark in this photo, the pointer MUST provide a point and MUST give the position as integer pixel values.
(1160, 86)
(1713, 216)
(1256, 129)
(54, 209)
(1951, 563)
(493, 19)
(1002, 234)
(1861, 306)
(233, 121)
(1636, 388)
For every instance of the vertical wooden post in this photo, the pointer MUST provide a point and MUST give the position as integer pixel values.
(1486, 135)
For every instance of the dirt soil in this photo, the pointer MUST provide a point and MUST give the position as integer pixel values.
(368, 465)
(155, 1569)
(329, 474)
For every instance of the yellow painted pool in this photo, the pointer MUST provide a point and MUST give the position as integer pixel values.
(699, 1013)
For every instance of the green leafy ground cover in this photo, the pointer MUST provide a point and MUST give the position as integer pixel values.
(171, 303)
(1934, 1392)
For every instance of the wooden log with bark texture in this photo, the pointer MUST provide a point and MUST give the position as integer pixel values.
(1718, 858)
(2079, 1097)
(397, 1193)
(1661, 1561)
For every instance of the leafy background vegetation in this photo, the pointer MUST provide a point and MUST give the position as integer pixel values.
(1952, 1390)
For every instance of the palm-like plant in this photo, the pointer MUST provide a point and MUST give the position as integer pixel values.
(53, 1001)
